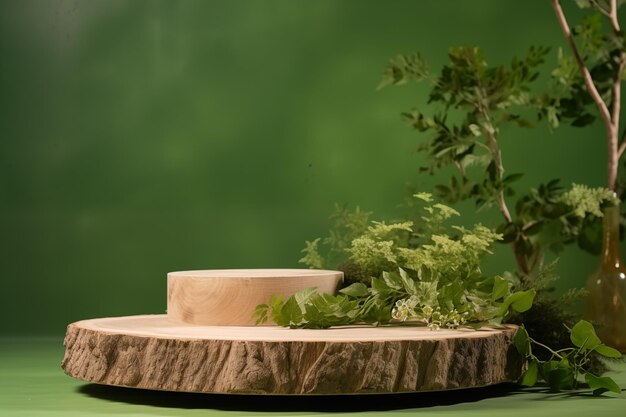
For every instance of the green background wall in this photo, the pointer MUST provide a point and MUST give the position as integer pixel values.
(141, 137)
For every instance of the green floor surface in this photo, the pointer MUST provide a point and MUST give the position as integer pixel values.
(33, 384)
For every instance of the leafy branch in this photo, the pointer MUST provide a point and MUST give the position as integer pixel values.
(487, 97)
(483, 99)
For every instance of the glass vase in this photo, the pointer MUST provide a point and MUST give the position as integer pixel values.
(607, 286)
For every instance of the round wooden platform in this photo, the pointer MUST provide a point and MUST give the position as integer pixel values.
(153, 352)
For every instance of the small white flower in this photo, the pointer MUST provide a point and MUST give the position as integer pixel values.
(427, 310)
(433, 326)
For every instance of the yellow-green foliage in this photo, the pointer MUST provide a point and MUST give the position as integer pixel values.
(586, 200)
(416, 276)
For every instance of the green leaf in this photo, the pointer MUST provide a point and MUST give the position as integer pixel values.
(492, 172)
(533, 228)
(558, 375)
(303, 296)
(407, 282)
(522, 342)
(600, 385)
(291, 312)
(404, 68)
(260, 313)
(559, 379)
(519, 301)
(379, 287)
(392, 280)
(312, 257)
(525, 301)
(500, 288)
(427, 197)
(275, 307)
(471, 160)
(509, 232)
(529, 377)
(377, 312)
(584, 336)
(583, 120)
(521, 122)
(590, 235)
(608, 351)
(475, 129)
(325, 310)
(512, 178)
(427, 292)
(357, 289)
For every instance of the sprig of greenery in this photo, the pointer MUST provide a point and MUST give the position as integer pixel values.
(398, 297)
(427, 274)
(561, 371)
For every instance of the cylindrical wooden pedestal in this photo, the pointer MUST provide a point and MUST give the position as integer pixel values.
(228, 297)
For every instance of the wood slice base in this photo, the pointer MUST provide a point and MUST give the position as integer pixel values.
(152, 352)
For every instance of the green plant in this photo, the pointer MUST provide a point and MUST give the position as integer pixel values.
(427, 275)
(420, 271)
(563, 367)
(475, 103)
(550, 317)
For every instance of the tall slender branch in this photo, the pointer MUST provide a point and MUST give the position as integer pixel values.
(518, 250)
(613, 17)
(497, 158)
(483, 108)
(617, 99)
(610, 118)
(591, 87)
(617, 94)
(622, 146)
(615, 152)
(617, 82)
(482, 105)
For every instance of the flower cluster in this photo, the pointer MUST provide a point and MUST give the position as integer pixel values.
(405, 309)
(409, 309)
(586, 200)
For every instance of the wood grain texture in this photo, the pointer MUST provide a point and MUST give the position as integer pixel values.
(154, 353)
(228, 297)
